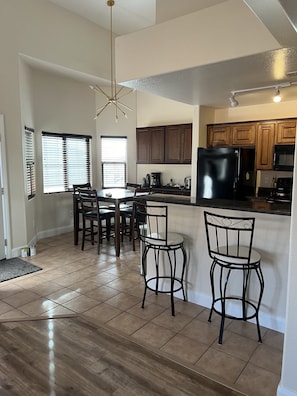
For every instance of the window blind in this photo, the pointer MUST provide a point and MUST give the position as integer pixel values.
(114, 161)
(66, 161)
(30, 163)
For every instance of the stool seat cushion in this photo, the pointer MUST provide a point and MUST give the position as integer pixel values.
(158, 239)
(237, 255)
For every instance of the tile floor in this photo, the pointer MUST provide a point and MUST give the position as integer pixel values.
(108, 289)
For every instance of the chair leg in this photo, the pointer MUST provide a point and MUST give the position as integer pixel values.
(83, 235)
(108, 228)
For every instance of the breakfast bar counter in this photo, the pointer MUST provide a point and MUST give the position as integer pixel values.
(250, 205)
(271, 240)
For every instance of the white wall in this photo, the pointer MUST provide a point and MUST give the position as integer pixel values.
(61, 105)
(42, 31)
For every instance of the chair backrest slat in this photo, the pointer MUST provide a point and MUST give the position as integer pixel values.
(152, 222)
(226, 236)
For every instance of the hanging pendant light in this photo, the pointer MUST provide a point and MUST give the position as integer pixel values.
(115, 93)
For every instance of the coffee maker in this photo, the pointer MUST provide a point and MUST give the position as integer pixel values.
(156, 179)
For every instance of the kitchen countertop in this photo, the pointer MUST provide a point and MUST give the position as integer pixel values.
(252, 205)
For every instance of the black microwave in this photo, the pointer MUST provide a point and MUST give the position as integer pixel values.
(283, 159)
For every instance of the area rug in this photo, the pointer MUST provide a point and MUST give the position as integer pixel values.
(14, 268)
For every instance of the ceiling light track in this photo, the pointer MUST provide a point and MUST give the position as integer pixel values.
(277, 97)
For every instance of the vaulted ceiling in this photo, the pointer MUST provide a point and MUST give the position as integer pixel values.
(212, 82)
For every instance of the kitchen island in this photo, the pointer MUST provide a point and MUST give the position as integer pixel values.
(271, 239)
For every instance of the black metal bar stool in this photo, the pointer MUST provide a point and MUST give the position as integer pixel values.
(235, 269)
(166, 275)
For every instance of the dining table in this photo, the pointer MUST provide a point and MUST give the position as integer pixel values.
(115, 197)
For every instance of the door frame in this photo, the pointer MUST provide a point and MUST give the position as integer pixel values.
(6, 217)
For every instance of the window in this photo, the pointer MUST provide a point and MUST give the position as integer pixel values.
(66, 161)
(30, 163)
(114, 161)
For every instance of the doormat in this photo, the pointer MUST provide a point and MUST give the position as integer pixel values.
(14, 268)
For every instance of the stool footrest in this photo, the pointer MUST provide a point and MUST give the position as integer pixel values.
(244, 315)
(174, 281)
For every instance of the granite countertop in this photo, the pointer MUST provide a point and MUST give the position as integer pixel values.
(252, 205)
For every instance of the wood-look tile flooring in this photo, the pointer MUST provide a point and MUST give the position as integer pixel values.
(85, 292)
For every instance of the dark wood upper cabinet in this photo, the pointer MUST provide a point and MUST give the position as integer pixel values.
(178, 144)
(244, 134)
(143, 143)
(263, 135)
(171, 144)
(157, 145)
(285, 132)
(150, 145)
(265, 144)
(218, 135)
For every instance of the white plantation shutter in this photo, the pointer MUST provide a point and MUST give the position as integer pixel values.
(30, 163)
(66, 161)
(114, 161)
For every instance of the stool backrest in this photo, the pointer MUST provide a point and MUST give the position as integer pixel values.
(229, 237)
(152, 223)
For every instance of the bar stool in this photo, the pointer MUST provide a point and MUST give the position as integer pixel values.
(166, 274)
(235, 269)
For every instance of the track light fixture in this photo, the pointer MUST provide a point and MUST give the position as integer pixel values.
(233, 101)
(277, 98)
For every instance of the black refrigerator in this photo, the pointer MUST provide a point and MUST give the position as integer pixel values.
(225, 173)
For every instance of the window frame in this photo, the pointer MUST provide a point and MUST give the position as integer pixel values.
(30, 163)
(124, 174)
(65, 174)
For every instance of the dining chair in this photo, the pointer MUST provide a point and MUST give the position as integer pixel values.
(126, 210)
(77, 209)
(97, 221)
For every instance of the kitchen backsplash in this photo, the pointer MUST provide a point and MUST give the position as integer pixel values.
(266, 178)
(175, 172)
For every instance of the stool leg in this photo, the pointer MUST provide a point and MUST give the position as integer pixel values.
(223, 301)
(245, 282)
(261, 281)
(183, 271)
(172, 276)
(157, 257)
(212, 268)
(143, 262)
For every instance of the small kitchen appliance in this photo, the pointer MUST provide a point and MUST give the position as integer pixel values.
(283, 158)
(187, 182)
(282, 191)
(156, 179)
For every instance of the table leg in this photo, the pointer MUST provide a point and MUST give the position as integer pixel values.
(117, 229)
